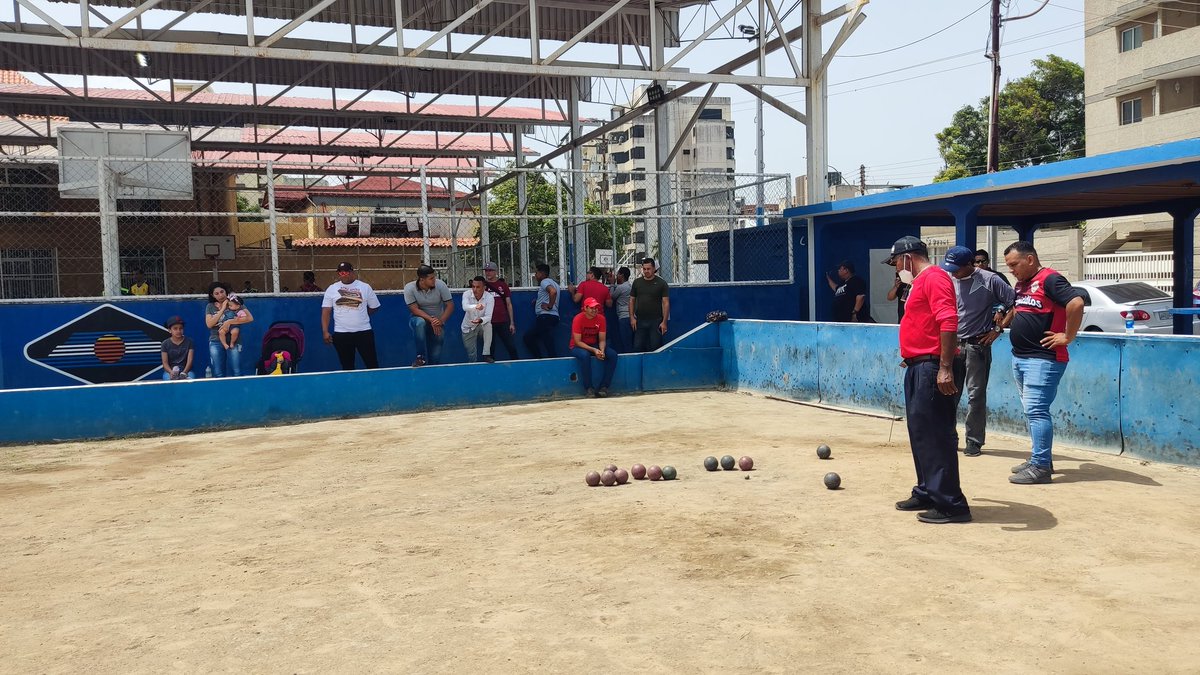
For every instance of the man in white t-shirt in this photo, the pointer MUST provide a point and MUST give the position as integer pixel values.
(351, 303)
(478, 304)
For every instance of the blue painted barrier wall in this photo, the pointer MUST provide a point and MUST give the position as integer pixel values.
(24, 322)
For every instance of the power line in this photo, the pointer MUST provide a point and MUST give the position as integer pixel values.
(937, 32)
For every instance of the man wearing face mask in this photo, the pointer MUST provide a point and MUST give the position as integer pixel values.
(928, 343)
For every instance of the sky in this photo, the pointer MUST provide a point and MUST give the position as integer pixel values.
(894, 84)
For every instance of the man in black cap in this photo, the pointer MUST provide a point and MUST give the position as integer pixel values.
(928, 343)
(350, 303)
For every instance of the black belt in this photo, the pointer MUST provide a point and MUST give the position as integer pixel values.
(914, 360)
(975, 340)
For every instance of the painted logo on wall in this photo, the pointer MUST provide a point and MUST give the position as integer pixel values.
(107, 344)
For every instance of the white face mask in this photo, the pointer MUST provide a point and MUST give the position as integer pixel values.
(906, 275)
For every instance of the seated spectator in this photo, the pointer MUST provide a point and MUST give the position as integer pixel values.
(429, 300)
(177, 352)
(478, 304)
(588, 338)
(310, 284)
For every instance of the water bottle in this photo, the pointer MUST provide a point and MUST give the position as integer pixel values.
(1129, 324)
(208, 372)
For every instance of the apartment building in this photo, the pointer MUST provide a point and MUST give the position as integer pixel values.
(1141, 87)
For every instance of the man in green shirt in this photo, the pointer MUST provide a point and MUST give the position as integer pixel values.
(649, 308)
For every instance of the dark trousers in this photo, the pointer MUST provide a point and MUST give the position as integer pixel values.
(540, 339)
(363, 342)
(931, 418)
(647, 338)
(622, 336)
(976, 360)
(500, 334)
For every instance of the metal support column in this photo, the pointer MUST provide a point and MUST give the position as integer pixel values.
(485, 227)
(274, 227)
(454, 268)
(965, 224)
(524, 276)
(662, 148)
(1183, 246)
(760, 159)
(562, 234)
(424, 218)
(110, 247)
(816, 131)
(579, 230)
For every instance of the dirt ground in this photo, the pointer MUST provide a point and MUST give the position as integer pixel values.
(466, 541)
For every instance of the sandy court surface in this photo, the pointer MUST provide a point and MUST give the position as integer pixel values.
(466, 541)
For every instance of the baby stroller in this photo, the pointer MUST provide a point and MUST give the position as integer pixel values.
(282, 348)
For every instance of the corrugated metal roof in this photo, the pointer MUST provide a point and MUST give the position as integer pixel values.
(381, 242)
(557, 19)
(193, 63)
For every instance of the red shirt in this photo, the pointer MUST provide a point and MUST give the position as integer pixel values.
(594, 289)
(588, 329)
(931, 309)
(1041, 306)
(500, 292)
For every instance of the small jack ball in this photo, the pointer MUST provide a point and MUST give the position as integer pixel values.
(727, 462)
(745, 463)
(638, 472)
(833, 481)
(622, 476)
(711, 463)
(592, 478)
(611, 467)
(669, 473)
(823, 451)
(607, 478)
(654, 473)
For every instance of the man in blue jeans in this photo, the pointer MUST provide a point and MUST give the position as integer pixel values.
(540, 339)
(1044, 320)
(429, 300)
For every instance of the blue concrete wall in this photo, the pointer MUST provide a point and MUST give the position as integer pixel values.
(156, 407)
(26, 321)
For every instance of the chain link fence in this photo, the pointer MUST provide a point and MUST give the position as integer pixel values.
(105, 227)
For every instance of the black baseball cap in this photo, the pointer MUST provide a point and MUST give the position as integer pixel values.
(906, 245)
(345, 267)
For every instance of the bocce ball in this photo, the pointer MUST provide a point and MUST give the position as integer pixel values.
(727, 462)
(654, 473)
(622, 476)
(823, 451)
(745, 463)
(832, 480)
(592, 479)
(669, 472)
(711, 463)
(607, 478)
(638, 471)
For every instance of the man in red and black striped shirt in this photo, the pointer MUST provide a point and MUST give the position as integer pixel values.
(928, 343)
(1044, 320)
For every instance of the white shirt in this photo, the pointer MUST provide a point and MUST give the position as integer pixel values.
(350, 303)
(477, 308)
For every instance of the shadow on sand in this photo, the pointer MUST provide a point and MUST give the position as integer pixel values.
(1014, 516)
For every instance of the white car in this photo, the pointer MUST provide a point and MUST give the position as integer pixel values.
(1107, 303)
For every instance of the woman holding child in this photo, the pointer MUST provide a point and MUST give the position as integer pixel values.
(224, 315)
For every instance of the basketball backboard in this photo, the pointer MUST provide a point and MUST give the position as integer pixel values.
(135, 158)
(210, 248)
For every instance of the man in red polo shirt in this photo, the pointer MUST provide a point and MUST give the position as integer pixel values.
(928, 342)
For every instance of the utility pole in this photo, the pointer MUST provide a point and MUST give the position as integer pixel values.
(993, 152)
(862, 179)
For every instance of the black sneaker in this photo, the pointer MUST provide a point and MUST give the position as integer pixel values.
(489, 359)
(940, 518)
(972, 450)
(420, 361)
(603, 393)
(1026, 464)
(912, 504)
(1031, 475)
(589, 392)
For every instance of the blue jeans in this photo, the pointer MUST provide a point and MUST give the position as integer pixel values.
(623, 336)
(219, 358)
(428, 343)
(167, 375)
(585, 359)
(1037, 385)
(647, 337)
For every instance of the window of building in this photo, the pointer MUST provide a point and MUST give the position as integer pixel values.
(620, 198)
(639, 195)
(1131, 38)
(639, 152)
(728, 153)
(639, 174)
(729, 133)
(1131, 111)
(638, 131)
(439, 262)
(28, 273)
(687, 152)
(151, 261)
(710, 114)
(621, 179)
(620, 157)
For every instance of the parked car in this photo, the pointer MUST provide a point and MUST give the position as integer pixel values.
(1196, 295)
(1107, 303)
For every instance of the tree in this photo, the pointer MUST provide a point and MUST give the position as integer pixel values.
(543, 223)
(1040, 121)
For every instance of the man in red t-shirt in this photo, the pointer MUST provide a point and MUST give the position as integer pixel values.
(592, 287)
(928, 342)
(589, 332)
(504, 326)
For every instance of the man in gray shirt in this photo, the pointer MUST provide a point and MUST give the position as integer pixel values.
(982, 296)
(429, 300)
(540, 339)
(623, 335)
